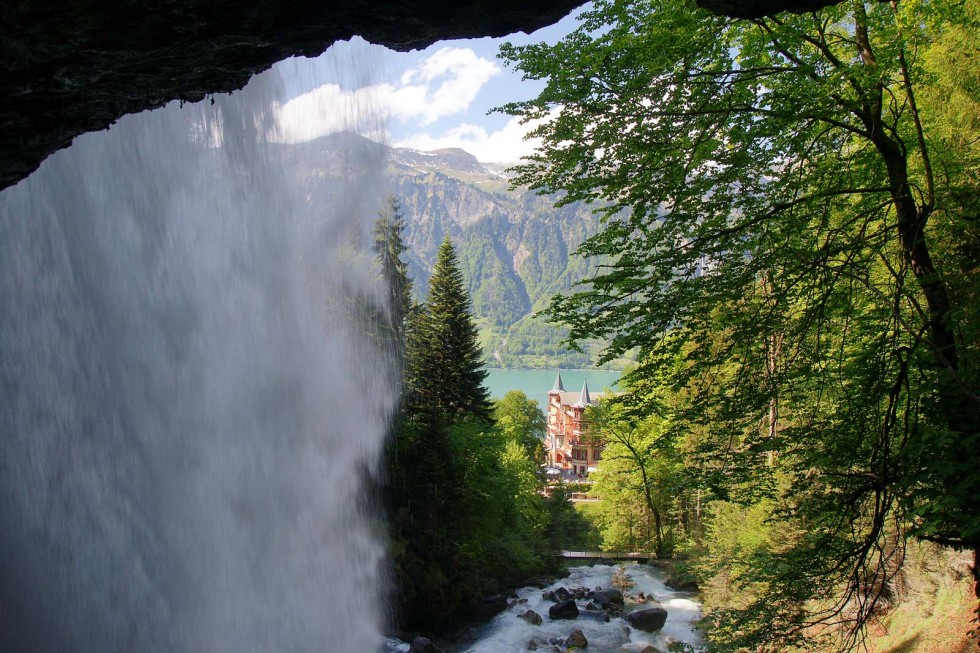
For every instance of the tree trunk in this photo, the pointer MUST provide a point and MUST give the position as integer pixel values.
(658, 526)
(652, 509)
(960, 406)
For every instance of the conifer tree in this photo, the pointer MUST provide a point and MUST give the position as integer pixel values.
(388, 248)
(466, 518)
(446, 372)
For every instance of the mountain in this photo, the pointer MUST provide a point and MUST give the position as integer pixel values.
(514, 246)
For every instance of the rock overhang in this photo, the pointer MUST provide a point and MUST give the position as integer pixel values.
(71, 68)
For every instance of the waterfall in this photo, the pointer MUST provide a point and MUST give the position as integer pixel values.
(189, 398)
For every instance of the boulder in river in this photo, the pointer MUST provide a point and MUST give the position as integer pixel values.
(682, 583)
(611, 599)
(651, 649)
(648, 619)
(564, 610)
(561, 594)
(594, 615)
(423, 645)
(531, 617)
(491, 606)
(576, 640)
(537, 643)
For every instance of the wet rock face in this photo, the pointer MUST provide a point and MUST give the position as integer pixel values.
(491, 606)
(70, 68)
(576, 640)
(564, 610)
(648, 619)
(611, 599)
(562, 594)
(532, 617)
(423, 645)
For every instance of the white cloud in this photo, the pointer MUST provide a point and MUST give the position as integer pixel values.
(326, 110)
(506, 145)
(463, 74)
(443, 84)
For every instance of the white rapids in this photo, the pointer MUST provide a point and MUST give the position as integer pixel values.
(508, 633)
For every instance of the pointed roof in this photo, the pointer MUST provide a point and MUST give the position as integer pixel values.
(584, 399)
(559, 387)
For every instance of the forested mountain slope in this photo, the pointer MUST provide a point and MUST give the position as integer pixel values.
(514, 248)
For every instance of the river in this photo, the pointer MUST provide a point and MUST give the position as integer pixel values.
(508, 633)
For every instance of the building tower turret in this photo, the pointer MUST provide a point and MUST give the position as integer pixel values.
(559, 386)
(584, 398)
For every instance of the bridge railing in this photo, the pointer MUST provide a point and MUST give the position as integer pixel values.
(607, 555)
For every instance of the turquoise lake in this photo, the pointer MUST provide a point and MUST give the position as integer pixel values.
(536, 383)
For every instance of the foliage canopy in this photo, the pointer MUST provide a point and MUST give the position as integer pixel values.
(790, 212)
(522, 420)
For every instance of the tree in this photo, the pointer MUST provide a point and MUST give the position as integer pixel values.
(568, 529)
(404, 459)
(388, 249)
(466, 518)
(522, 420)
(445, 362)
(639, 466)
(782, 214)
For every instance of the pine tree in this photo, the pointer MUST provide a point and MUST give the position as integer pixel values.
(445, 366)
(388, 248)
(465, 517)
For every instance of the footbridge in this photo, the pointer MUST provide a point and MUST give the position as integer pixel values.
(638, 556)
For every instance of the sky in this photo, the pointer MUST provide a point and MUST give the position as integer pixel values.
(425, 99)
